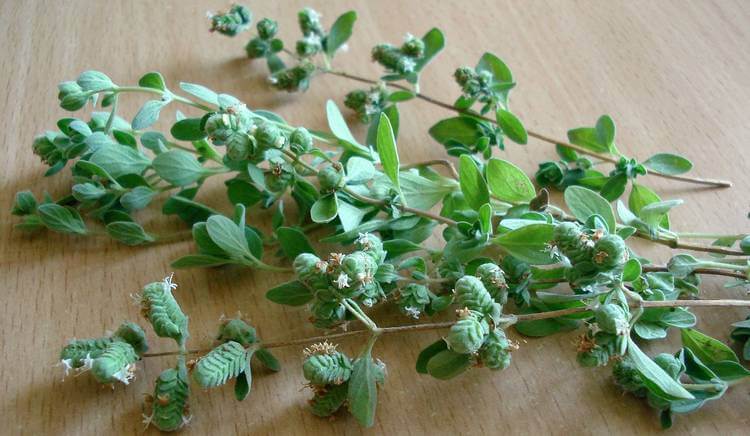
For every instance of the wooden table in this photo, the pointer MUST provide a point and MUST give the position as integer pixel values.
(675, 76)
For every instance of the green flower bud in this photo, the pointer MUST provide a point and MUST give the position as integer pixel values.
(116, 363)
(413, 298)
(308, 46)
(372, 245)
(471, 294)
(597, 356)
(71, 96)
(610, 252)
(240, 147)
(463, 75)
(612, 318)
(627, 377)
(328, 368)
(466, 336)
(388, 56)
(269, 136)
(293, 79)
(81, 352)
(24, 204)
(169, 405)
(47, 151)
(493, 278)
(267, 28)
(495, 353)
(309, 22)
(549, 174)
(301, 141)
(257, 48)
(238, 331)
(670, 364)
(359, 266)
(134, 335)
(572, 242)
(161, 309)
(331, 178)
(326, 403)
(413, 47)
(237, 19)
(327, 314)
(308, 265)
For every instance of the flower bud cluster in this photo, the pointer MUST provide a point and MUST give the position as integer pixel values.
(264, 44)
(400, 60)
(627, 377)
(293, 79)
(245, 137)
(367, 103)
(312, 31)
(237, 19)
(476, 85)
(343, 276)
(607, 336)
(590, 252)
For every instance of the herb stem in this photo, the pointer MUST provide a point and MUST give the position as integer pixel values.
(706, 271)
(112, 114)
(147, 90)
(541, 137)
(509, 319)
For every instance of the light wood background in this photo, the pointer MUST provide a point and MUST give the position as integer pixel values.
(674, 75)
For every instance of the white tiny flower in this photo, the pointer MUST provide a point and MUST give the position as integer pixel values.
(342, 281)
(408, 37)
(126, 374)
(88, 362)
(272, 80)
(412, 312)
(67, 366)
(168, 282)
(369, 302)
(147, 419)
(409, 64)
(344, 48)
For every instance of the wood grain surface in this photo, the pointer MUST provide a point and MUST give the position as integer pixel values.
(674, 75)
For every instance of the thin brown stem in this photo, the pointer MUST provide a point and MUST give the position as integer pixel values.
(508, 319)
(705, 271)
(444, 162)
(693, 247)
(533, 134)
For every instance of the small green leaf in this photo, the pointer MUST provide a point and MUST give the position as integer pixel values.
(584, 202)
(178, 167)
(363, 393)
(512, 126)
(268, 360)
(340, 130)
(434, 41)
(293, 242)
(447, 364)
(655, 378)
(528, 243)
(188, 129)
(199, 260)
(94, 81)
(137, 198)
(340, 32)
(118, 160)
(227, 235)
(632, 270)
(428, 353)
(388, 151)
(88, 191)
(706, 348)
(294, 293)
(61, 219)
(24, 204)
(242, 384)
(350, 216)
(605, 131)
(472, 183)
(200, 92)
(461, 129)
(508, 182)
(129, 233)
(641, 196)
(148, 114)
(325, 209)
(587, 137)
(359, 170)
(498, 68)
(153, 80)
(667, 163)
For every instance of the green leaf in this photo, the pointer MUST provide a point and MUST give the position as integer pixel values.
(472, 183)
(544, 327)
(118, 160)
(428, 353)
(632, 270)
(461, 129)
(498, 68)
(614, 188)
(242, 192)
(654, 213)
(641, 196)
(423, 193)
(138, 198)
(148, 114)
(198, 260)
(363, 393)
(388, 152)
(650, 330)
(680, 318)
(728, 370)
(178, 167)
(129, 233)
(528, 243)
(340, 32)
(584, 202)
(667, 163)
(655, 378)
(325, 209)
(508, 182)
(88, 191)
(94, 81)
(24, 204)
(188, 129)
(61, 219)
(242, 384)
(227, 235)
(267, 359)
(349, 215)
(200, 92)
(512, 126)
(340, 130)
(447, 364)
(294, 293)
(293, 242)
(587, 137)
(359, 170)
(605, 130)
(706, 348)
(152, 80)
(434, 41)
